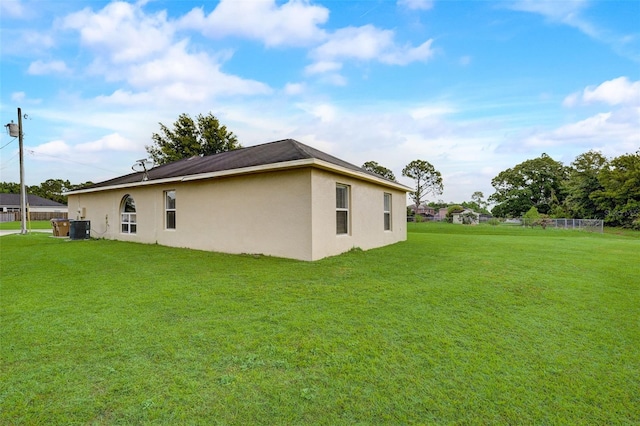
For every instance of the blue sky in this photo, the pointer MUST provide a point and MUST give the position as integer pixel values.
(473, 87)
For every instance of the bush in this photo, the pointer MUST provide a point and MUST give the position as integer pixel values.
(493, 221)
(531, 217)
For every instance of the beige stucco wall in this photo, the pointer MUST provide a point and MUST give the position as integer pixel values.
(289, 213)
(366, 215)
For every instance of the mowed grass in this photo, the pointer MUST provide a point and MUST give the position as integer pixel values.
(457, 325)
(33, 224)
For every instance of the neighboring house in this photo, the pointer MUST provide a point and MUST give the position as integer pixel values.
(35, 204)
(282, 199)
(459, 217)
(442, 213)
(423, 210)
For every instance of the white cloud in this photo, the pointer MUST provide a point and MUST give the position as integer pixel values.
(430, 111)
(416, 4)
(570, 12)
(122, 30)
(619, 91)
(183, 76)
(333, 79)
(294, 23)
(12, 8)
(21, 97)
(615, 132)
(363, 43)
(294, 88)
(465, 60)
(37, 39)
(112, 142)
(368, 43)
(559, 11)
(139, 49)
(41, 68)
(18, 96)
(322, 67)
(54, 148)
(571, 100)
(406, 54)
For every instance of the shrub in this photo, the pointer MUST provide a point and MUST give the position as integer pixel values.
(530, 217)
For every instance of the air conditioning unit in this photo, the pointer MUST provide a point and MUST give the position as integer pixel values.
(79, 229)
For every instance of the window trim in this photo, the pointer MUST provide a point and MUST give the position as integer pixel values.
(168, 210)
(346, 209)
(387, 223)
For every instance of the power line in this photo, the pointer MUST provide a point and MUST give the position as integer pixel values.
(35, 153)
(6, 163)
(7, 144)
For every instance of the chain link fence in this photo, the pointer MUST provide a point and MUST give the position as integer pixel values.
(589, 225)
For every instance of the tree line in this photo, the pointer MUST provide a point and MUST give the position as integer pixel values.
(591, 187)
(51, 189)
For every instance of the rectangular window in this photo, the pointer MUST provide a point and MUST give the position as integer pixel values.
(129, 225)
(170, 209)
(387, 212)
(342, 209)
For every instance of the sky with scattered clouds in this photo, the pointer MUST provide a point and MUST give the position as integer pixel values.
(473, 87)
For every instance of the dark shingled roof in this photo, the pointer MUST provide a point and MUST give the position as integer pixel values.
(33, 200)
(258, 155)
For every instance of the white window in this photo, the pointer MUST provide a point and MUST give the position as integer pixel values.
(387, 212)
(170, 209)
(128, 215)
(342, 209)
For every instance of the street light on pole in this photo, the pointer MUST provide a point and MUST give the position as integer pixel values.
(17, 131)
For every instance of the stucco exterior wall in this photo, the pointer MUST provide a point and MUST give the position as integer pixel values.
(288, 213)
(265, 213)
(366, 215)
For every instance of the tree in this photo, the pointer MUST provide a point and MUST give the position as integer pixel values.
(582, 182)
(477, 204)
(376, 168)
(189, 138)
(619, 197)
(531, 216)
(428, 180)
(532, 183)
(52, 189)
(478, 198)
(9, 188)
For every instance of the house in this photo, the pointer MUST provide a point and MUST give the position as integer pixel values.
(282, 199)
(423, 210)
(442, 213)
(467, 217)
(37, 207)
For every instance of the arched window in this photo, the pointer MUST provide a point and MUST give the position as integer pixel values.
(128, 215)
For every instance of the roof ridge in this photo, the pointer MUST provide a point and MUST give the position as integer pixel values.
(302, 148)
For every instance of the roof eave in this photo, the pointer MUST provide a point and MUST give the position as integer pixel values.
(294, 164)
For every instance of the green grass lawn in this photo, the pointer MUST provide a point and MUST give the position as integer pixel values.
(457, 325)
(33, 224)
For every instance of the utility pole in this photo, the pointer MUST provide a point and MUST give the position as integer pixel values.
(23, 192)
